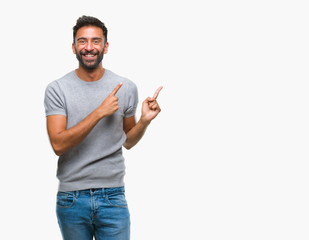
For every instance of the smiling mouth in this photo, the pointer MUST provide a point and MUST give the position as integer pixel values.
(89, 57)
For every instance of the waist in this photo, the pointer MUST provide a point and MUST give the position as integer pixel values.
(99, 191)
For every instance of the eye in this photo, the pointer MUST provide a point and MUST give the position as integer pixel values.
(81, 41)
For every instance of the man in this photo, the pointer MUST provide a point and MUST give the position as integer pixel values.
(90, 116)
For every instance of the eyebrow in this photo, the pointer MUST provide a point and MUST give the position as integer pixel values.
(95, 38)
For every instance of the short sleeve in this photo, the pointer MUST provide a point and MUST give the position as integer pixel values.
(132, 101)
(54, 101)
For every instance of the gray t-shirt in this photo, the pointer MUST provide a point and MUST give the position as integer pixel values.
(97, 161)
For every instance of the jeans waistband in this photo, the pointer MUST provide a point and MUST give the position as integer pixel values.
(93, 191)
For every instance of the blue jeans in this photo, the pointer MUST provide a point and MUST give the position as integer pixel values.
(101, 213)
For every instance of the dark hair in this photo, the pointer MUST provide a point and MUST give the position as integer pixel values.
(89, 21)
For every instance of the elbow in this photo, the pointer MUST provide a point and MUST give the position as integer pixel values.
(58, 153)
(127, 146)
(57, 149)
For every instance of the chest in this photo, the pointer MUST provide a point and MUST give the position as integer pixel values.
(82, 101)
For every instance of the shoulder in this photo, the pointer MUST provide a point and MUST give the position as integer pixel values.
(52, 87)
(66, 79)
(61, 82)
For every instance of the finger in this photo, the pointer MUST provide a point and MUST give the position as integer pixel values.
(116, 89)
(157, 92)
(149, 100)
(154, 107)
(151, 104)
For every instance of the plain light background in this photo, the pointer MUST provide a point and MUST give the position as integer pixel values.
(227, 158)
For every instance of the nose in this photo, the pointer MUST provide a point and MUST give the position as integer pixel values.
(89, 46)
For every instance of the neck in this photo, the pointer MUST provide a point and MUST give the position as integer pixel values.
(90, 75)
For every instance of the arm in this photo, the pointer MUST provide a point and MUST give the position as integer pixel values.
(63, 139)
(135, 131)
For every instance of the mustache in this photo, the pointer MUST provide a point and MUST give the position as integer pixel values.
(85, 52)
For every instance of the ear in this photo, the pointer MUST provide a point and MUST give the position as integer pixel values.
(106, 47)
(73, 48)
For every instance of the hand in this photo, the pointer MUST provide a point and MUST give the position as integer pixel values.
(150, 108)
(110, 105)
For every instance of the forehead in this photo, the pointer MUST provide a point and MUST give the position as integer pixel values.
(89, 32)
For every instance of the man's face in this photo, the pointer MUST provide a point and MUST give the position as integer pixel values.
(89, 47)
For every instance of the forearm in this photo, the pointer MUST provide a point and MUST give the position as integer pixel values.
(63, 139)
(69, 138)
(150, 109)
(135, 134)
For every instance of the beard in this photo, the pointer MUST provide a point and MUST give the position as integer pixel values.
(89, 65)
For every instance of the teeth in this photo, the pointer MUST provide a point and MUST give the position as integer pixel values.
(89, 55)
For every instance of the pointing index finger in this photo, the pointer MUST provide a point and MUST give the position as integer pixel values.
(157, 92)
(116, 89)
